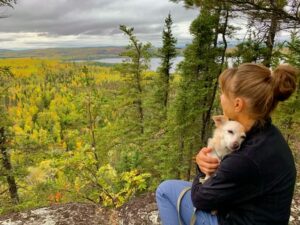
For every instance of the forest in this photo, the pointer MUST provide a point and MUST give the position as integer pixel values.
(81, 132)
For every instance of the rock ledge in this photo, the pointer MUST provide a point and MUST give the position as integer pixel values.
(140, 211)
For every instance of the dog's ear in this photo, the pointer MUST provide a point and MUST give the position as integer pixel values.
(219, 120)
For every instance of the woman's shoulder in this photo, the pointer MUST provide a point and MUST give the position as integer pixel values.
(266, 147)
(262, 137)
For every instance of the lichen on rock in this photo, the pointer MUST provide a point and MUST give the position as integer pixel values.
(141, 210)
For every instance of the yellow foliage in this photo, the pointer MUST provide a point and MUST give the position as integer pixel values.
(119, 188)
(78, 144)
(64, 145)
(39, 110)
(61, 180)
(56, 131)
(35, 136)
(77, 184)
(18, 130)
(25, 67)
(41, 173)
(18, 112)
(17, 157)
(43, 136)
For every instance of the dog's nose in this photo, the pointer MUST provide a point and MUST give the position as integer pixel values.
(235, 145)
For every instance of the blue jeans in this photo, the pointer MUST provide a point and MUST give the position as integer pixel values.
(167, 194)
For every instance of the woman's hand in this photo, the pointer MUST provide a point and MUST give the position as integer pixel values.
(207, 164)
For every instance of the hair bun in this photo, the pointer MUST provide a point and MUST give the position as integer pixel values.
(284, 77)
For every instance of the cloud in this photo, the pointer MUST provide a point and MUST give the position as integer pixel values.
(77, 20)
(6, 40)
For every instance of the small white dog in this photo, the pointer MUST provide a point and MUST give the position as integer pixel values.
(227, 137)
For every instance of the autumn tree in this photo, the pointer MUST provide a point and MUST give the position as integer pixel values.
(92, 102)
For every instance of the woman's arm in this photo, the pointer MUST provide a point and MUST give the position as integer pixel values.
(235, 181)
(207, 164)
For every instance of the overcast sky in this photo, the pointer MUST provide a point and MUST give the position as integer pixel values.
(89, 23)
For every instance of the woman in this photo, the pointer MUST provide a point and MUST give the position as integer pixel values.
(253, 185)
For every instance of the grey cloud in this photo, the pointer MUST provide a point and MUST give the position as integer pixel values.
(54, 18)
(77, 16)
(7, 40)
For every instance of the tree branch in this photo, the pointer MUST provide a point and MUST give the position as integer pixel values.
(252, 5)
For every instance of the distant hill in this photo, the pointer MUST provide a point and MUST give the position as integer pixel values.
(65, 53)
(88, 53)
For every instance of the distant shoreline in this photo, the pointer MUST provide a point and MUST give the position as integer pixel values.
(84, 53)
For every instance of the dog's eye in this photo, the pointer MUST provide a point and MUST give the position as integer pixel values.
(230, 131)
(243, 137)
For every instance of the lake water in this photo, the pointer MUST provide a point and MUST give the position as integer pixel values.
(154, 62)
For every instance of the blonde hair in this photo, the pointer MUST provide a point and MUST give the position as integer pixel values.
(261, 88)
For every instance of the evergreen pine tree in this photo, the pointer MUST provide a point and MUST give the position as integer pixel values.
(167, 53)
(204, 61)
(139, 56)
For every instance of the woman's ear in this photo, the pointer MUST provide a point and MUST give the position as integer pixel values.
(239, 104)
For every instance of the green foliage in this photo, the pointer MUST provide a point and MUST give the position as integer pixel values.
(293, 57)
(166, 53)
(138, 55)
(6, 79)
(250, 50)
(65, 133)
(81, 132)
(287, 116)
(196, 93)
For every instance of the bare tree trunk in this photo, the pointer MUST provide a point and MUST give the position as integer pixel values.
(140, 92)
(210, 101)
(271, 38)
(190, 162)
(141, 114)
(12, 186)
(167, 83)
(180, 153)
(92, 130)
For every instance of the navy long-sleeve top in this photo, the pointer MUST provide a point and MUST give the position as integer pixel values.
(254, 185)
